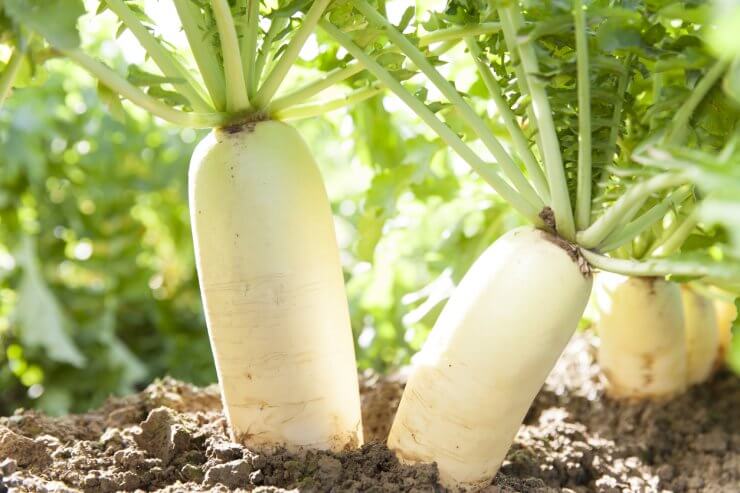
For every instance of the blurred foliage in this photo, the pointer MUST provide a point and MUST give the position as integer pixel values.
(97, 285)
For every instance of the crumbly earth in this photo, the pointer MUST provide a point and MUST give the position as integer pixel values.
(172, 437)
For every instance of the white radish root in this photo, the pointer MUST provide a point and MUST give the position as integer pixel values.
(642, 349)
(272, 286)
(489, 353)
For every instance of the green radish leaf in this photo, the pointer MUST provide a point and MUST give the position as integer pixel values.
(292, 8)
(380, 205)
(140, 77)
(39, 312)
(172, 98)
(614, 36)
(112, 101)
(56, 20)
(684, 11)
(118, 354)
(391, 61)
(370, 231)
(723, 37)
(408, 14)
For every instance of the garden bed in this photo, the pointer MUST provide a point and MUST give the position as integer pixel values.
(172, 437)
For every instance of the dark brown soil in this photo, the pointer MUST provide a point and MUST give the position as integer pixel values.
(172, 438)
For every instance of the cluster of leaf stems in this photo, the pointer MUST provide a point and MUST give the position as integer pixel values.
(240, 79)
(546, 185)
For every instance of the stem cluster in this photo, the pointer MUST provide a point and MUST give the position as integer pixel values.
(530, 173)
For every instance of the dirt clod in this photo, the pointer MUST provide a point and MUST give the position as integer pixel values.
(8, 467)
(234, 474)
(173, 438)
(25, 451)
(224, 451)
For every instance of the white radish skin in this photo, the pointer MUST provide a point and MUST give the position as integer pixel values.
(726, 313)
(487, 356)
(702, 335)
(642, 349)
(273, 292)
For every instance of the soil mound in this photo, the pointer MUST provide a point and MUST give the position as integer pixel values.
(172, 437)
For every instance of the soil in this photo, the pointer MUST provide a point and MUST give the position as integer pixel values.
(172, 437)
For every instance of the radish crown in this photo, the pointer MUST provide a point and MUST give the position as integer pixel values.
(586, 91)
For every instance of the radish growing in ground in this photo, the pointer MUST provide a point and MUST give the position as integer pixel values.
(266, 253)
(657, 338)
(642, 347)
(511, 315)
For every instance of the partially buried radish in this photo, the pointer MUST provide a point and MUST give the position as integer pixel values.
(494, 343)
(273, 291)
(642, 349)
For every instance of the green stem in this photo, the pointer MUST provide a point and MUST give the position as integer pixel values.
(664, 234)
(658, 83)
(583, 190)
(445, 133)
(203, 51)
(443, 47)
(290, 55)
(663, 267)
(311, 89)
(551, 155)
(457, 33)
(185, 82)
(647, 219)
(510, 37)
(515, 131)
(620, 211)
(611, 147)
(249, 46)
(265, 52)
(320, 107)
(236, 88)
(678, 128)
(7, 78)
(509, 167)
(673, 242)
(123, 87)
